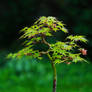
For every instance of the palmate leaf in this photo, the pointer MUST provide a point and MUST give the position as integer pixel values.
(61, 45)
(64, 30)
(51, 22)
(25, 52)
(56, 55)
(24, 29)
(27, 43)
(55, 29)
(78, 58)
(60, 24)
(74, 55)
(32, 41)
(68, 57)
(43, 30)
(64, 49)
(35, 27)
(11, 55)
(73, 44)
(38, 38)
(48, 34)
(29, 33)
(57, 61)
(41, 20)
(77, 38)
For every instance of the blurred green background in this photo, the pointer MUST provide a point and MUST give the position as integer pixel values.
(31, 75)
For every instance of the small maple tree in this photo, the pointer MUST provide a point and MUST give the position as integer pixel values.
(67, 51)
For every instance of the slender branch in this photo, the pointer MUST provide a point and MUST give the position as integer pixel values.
(44, 52)
(44, 41)
(28, 54)
(50, 57)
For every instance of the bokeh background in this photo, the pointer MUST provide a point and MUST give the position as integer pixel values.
(30, 75)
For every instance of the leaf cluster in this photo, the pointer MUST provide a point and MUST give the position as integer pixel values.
(58, 52)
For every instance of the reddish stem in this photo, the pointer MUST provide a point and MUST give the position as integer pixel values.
(54, 77)
(54, 85)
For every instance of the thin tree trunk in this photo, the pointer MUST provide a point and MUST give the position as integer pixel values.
(54, 78)
(54, 85)
(54, 74)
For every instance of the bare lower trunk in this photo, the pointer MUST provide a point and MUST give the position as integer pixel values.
(54, 78)
(54, 85)
(54, 73)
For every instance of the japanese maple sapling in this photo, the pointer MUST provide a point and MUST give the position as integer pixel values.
(57, 52)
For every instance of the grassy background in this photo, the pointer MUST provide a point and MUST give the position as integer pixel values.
(30, 75)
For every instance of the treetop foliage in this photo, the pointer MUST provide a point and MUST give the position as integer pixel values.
(57, 52)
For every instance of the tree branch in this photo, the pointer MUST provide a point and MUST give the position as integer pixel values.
(44, 52)
(44, 41)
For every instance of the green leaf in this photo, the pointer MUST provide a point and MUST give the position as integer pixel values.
(77, 38)
(57, 61)
(64, 30)
(48, 34)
